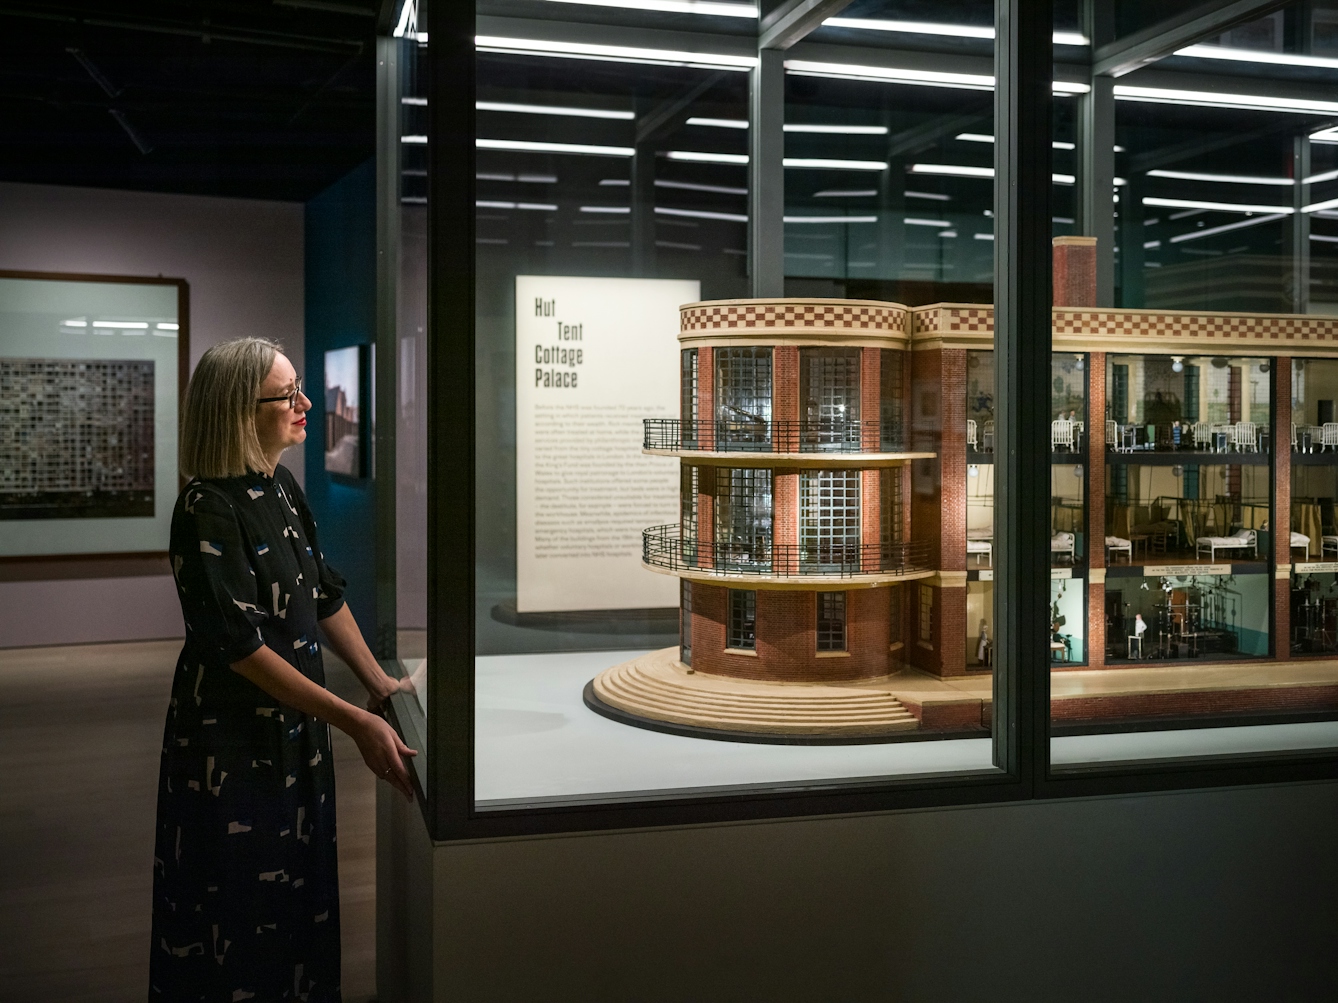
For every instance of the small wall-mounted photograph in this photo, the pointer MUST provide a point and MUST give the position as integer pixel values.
(344, 418)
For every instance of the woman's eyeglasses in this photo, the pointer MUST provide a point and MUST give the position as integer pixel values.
(290, 398)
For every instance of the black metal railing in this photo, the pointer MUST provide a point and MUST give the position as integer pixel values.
(762, 436)
(667, 547)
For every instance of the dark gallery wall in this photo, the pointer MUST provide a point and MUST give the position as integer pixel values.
(340, 244)
(242, 259)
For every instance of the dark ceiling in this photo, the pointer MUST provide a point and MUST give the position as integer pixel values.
(270, 99)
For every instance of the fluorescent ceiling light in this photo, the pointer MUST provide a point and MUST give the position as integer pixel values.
(168, 327)
(1217, 206)
(953, 170)
(823, 163)
(962, 171)
(618, 210)
(731, 217)
(74, 323)
(839, 130)
(719, 123)
(543, 109)
(681, 185)
(1233, 179)
(1217, 99)
(416, 102)
(690, 187)
(1255, 56)
(933, 196)
(614, 53)
(541, 179)
(526, 146)
(1324, 239)
(925, 78)
(983, 236)
(1180, 238)
(1320, 206)
(948, 233)
(980, 137)
(1315, 179)
(938, 224)
(120, 325)
(536, 206)
(831, 219)
(674, 6)
(849, 193)
(420, 140)
(698, 157)
(1149, 245)
(919, 78)
(929, 28)
(1329, 135)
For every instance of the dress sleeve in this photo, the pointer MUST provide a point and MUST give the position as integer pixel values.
(330, 598)
(212, 567)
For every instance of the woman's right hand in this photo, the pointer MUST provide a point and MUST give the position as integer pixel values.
(384, 753)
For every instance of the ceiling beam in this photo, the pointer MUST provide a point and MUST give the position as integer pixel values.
(793, 20)
(671, 114)
(1163, 38)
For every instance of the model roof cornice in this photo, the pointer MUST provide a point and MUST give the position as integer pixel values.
(795, 321)
(1166, 332)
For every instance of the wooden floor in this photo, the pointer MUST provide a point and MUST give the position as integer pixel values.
(80, 733)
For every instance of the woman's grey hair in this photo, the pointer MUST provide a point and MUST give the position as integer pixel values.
(218, 428)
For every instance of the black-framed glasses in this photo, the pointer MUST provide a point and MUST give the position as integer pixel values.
(290, 398)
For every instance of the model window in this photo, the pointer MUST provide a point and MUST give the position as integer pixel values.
(831, 396)
(829, 530)
(742, 619)
(743, 517)
(890, 390)
(926, 615)
(894, 627)
(690, 398)
(685, 623)
(831, 621)
(890, 503)
(743, 396)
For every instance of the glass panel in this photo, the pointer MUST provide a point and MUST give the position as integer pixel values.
(1211, 485)
(784, 460)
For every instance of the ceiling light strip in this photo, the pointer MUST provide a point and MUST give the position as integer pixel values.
(541, 109)
(1282, 210)
(1180, 238)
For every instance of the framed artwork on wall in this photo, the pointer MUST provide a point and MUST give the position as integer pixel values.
(92, 368)
(346, 427)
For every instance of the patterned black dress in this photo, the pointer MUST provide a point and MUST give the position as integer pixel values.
(245, 880)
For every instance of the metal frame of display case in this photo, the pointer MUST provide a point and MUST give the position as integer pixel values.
(1023, 72)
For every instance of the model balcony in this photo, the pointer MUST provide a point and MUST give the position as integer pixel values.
(668, 550)
(749, 441)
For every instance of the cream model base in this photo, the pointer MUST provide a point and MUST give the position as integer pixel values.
(658, 688)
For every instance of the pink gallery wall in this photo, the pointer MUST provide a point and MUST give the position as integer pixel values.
(244, 262)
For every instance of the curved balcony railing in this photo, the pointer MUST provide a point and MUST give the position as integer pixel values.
(757, 435)
(667, 547)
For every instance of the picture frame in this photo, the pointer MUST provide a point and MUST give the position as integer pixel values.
(347, 405)
(93, 370)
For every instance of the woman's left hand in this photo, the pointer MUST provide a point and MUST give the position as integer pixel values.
(385, 689)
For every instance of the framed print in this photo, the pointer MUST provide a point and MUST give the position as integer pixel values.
(345, 416)
(91, 374)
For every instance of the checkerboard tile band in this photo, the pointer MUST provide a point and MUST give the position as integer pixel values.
(798, 316)
(947, 320)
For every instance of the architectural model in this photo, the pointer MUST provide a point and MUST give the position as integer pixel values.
(835, 545)
(76, 438)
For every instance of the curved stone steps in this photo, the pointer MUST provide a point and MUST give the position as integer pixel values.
(656, 686)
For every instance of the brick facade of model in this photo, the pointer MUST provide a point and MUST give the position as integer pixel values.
(920, 619)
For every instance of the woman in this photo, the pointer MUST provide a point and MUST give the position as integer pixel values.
(245, 889)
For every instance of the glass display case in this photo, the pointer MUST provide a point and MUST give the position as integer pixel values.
(757, 455)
